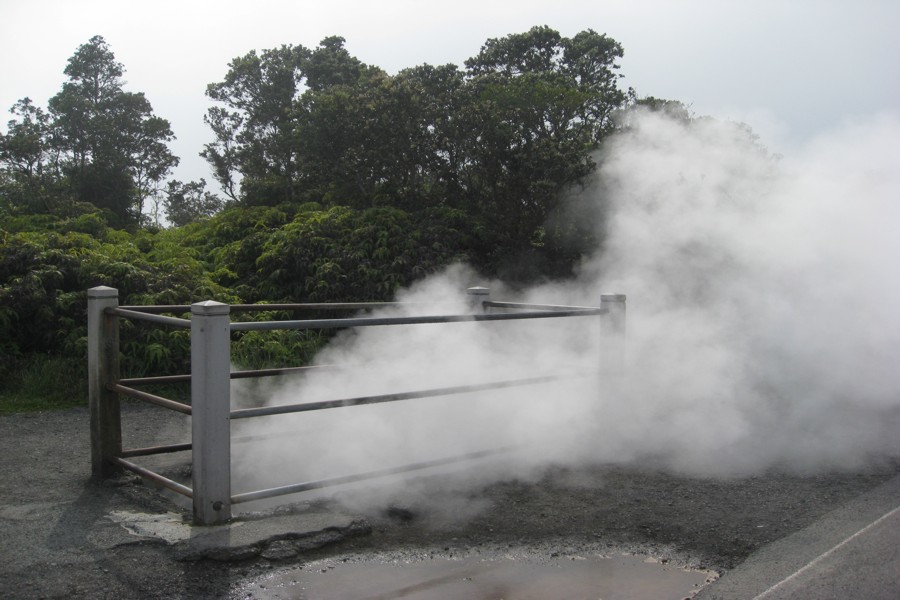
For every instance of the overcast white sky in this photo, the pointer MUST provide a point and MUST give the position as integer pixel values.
(789, 68)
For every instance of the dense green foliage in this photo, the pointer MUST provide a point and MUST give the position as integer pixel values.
(239, 255)
(501, 140)
(344, 183)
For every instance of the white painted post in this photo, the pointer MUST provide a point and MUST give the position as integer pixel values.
(477, 297)
(211, 411)
(103, 368)
(612, 344)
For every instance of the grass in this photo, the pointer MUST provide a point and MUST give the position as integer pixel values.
(41, 383)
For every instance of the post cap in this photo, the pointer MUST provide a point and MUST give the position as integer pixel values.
(210, 307)
(102, 291)
(478, 291)
(612, 297)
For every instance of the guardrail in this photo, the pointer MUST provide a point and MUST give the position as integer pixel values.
(210, 379)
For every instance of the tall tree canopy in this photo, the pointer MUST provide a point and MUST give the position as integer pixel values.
(253, 123)
(543, 103)
(252, 130)
(102, 143)
(30, 162)
(501, 139)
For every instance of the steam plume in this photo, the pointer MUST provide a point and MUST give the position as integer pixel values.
(763, 329)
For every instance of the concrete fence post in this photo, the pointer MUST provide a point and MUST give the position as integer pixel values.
(211, 411)
(477, 296)
(103, 368)
(613, 333)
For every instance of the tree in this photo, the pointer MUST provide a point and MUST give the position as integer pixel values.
(503, 139)
(330, 64)
(29, 163)
(188, 202)
(542, 104)
(253, 129)
(673, 109)
(256, 145)
(385, 139)
(352, 140)
(25, 149)
(576, 84)
(115, 148)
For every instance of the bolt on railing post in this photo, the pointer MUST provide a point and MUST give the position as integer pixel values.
(103, 368)
(211, 411)
(613, 331)
(477, 296)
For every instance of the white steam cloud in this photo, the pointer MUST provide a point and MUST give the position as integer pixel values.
(763, 329)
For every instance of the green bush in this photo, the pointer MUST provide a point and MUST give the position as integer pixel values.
(345, 255)
(41, 382)
(299, 254)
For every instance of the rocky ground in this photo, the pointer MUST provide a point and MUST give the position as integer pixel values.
(57, 538)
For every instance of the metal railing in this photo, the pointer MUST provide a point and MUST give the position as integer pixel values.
(210, 380)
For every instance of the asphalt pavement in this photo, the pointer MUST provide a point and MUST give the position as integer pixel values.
(62, 537)
(851, 553)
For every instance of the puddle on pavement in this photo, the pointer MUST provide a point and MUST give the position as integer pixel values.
(623, 577)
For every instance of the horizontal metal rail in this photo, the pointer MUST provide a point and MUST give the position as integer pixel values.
(421, 320)
(151, 398)
(234, 375)
(332, 481)
(150, 451)
(519, 305)
(145, 316)
(152, 476)
(539, 311)
(282, 371)
(154, 380)
(186, 308)
(263, 411)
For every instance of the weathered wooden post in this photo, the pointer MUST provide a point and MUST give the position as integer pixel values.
(613, 331)
(103, 368)
(211, 411)
(477, 296)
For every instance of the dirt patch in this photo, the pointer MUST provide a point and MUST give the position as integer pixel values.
(57, 539)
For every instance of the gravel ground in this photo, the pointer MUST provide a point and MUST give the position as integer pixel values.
(56, 539)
